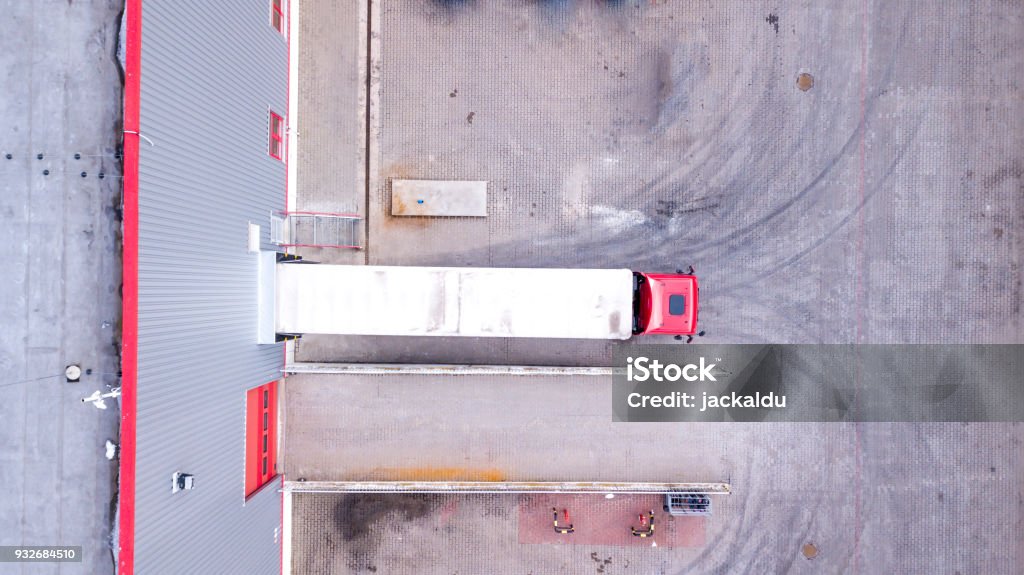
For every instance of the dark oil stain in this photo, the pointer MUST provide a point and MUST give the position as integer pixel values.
(1004, 173)
(998, 232)
(602, 564)
(469, 118)
(774, 21)
(355, 514)
(672, 208)
(1016, 292)
(497, 510)
(453, 93)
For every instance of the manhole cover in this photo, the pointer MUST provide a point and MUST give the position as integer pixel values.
(810, 550)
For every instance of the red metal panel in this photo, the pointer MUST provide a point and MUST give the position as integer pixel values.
(252, 416)
(260, 436)
(130, 290)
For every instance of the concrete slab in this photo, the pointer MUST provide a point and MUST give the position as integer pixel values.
(646, 136)
(442, 369)
(438, 198)
(59, 201)
(452, 350)
(441, 482)
(657, 135)
(331, 139)
(878, 497)
(453, 534)
(479, 427)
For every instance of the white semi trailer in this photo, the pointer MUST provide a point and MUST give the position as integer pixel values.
(473, 302)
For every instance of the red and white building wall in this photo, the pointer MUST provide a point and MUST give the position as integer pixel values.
(205, 155)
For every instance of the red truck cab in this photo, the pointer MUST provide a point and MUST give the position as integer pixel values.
(664, 304)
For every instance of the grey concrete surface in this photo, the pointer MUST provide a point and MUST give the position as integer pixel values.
(874, 498)
(883, 204)
(60, 233)
(496, 351)
(656, 135)
(452, 534)
(517, 428)
(331, 126)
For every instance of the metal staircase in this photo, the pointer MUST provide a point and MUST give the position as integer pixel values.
(316, 230)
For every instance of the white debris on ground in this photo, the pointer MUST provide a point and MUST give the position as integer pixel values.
(616, 220)
(96, 399)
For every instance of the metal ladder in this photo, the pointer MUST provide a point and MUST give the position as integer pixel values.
(316, 230)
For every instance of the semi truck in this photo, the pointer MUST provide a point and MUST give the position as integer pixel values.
(474, 302)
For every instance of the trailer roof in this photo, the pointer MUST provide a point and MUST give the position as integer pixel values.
(475, 302)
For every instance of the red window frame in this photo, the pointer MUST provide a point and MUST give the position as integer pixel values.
(277, 15)
(260, 436)
(275, 128)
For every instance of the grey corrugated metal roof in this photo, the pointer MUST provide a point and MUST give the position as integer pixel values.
(209, 74)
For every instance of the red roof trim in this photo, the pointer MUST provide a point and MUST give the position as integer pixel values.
(130, 288)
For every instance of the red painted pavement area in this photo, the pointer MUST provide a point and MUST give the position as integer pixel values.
(600, 521)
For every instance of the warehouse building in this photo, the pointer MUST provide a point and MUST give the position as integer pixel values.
(205, 108)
